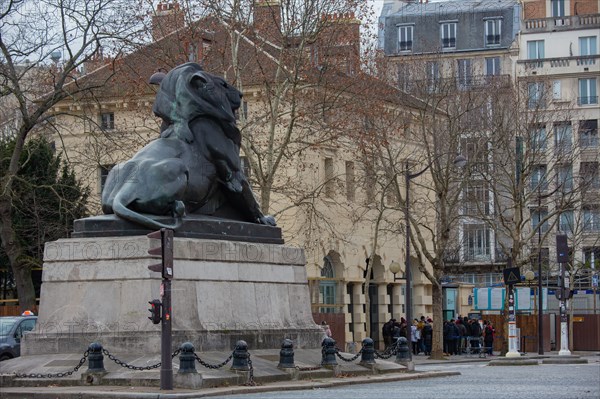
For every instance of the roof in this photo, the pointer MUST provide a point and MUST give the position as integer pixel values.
(128, 76)
(451, 7)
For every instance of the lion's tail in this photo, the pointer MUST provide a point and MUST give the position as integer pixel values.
(124, 212)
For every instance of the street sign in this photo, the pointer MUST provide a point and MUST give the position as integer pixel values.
(511, 275)
(595, 280)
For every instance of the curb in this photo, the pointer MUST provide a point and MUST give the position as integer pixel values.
(118, 392)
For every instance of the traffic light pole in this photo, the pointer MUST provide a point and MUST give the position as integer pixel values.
(564, 328)
(166, 361)
(165, 251)
(564, 292)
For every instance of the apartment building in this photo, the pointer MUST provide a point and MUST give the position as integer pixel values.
(547, 51)
(559, 68)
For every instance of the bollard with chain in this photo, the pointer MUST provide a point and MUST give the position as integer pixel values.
(95, 358)
(368, 352)
(286, 355)
(403, 351)
(240, 357)
(328, 352)
(187, 358)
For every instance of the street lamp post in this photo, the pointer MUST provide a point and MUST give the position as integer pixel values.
(539, 267)
(395, 269)
(459, 161)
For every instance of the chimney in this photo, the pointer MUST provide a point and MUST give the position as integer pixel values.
(267, 19)
(339, 41)
(167, 19)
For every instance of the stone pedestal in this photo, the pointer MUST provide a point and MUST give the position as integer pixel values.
(97, 289)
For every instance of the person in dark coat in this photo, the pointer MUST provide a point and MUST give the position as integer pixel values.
(488, 337)
(475, 335)
(386, 331)
(428, 336)
(453, 336)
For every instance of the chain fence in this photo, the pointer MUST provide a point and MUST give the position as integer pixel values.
(348, 359)
(59, 374)
(390, 351)
(131, 367)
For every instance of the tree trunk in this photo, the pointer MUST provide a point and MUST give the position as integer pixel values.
(437, 350)
(21, 272)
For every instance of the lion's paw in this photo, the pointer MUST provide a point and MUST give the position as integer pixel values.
(268, 220)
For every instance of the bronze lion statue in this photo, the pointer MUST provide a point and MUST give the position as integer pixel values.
(194, 167)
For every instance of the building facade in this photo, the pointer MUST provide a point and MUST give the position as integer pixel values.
(546, 52)
(323, 200)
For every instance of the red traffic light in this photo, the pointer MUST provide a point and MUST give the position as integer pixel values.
(155, 310)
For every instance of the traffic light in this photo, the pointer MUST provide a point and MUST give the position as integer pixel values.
(165, 251)
(562, 249)
(155, 307)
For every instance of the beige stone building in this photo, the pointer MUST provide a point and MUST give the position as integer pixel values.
(323, 194)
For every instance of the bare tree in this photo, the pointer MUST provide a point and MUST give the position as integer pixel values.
(43, 46)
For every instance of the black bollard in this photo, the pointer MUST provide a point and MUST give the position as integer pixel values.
(328, 352)
(402, 350)
(240, 357)
(367, 355)
(187, 358)
(95, 358)
(286, 355)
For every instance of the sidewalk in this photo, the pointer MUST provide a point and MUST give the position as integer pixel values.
(120, 382)
(124, 383)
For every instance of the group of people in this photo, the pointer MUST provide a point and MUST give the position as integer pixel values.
(460, 336)
(464, 333)
(421, 333)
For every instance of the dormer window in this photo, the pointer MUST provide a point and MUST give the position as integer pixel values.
(448, 35)
(493, 29)
(405, 38)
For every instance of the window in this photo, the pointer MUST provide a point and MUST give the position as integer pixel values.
(433, 75)
(477, 199)
(350, 180)
(537, 216)
(588, 46)
(104, 170)
(107, 121)
(492, 32)
(329, 184)
(477, 242)
(591, 257)
(538, 178)
(591, 218)
(558, 8)
(588, 133)
(404, 77)
(588, 172)
(563, 137)
(536, 93)
(405, 38)
(448, 34)
(327, 287)
(465, 74)
(556, 92)
(535, 51)
(566, 222)
(587, 92)
(538, 138)
(564, 177)
(492, 66)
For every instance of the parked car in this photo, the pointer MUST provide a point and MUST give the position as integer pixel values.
(12, 329)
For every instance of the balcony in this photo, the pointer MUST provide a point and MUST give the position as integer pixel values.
(555, 24)
(589, 100)
(561, 62)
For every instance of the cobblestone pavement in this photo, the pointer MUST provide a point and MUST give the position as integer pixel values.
(569, 381)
